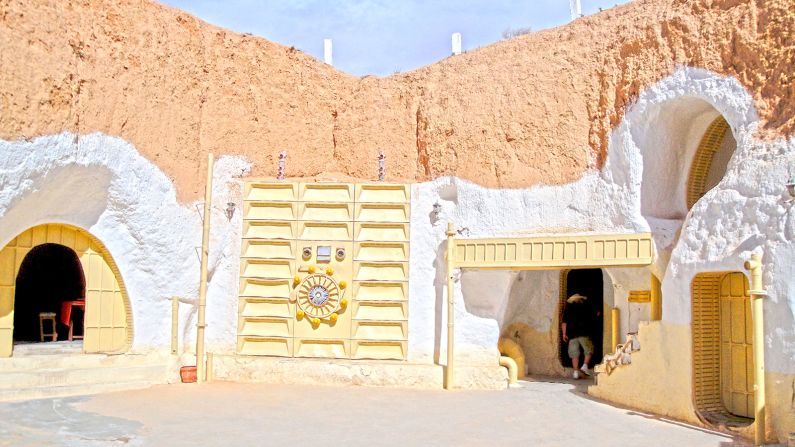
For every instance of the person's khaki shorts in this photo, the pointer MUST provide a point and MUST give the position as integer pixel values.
(576, 343)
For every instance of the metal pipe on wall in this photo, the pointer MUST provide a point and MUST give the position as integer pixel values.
(448, 372)
(174, 324)
(757, 292)
(615, 315)
(208, 196)
(656, 298)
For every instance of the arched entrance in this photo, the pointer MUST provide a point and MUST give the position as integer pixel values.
(723, 375)
(589, 283)
(686, 150)
(108, 320)
(49, 275)
(710, 160)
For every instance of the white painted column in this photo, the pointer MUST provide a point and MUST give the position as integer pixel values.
(575, 8)
(327, 51)
(456, 44)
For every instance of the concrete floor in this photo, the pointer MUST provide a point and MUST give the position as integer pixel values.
(228, 414)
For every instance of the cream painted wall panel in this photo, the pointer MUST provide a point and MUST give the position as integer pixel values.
(270, 210)
(264, 191)
(374, 237)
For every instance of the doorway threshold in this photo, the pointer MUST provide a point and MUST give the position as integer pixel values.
(48, 348)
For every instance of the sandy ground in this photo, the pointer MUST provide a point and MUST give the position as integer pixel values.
(539, 413)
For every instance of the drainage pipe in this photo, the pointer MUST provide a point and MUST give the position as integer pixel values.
(615, 320)
(511, 349)
(174, 324)
(448, 372)
(757, 292)
(513, 369)
(656, 298)
(208, 196)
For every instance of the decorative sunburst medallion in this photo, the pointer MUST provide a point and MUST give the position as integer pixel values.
(318, 296)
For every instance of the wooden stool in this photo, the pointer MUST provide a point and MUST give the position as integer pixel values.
(47, 316)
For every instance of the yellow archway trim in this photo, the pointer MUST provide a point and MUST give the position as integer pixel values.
(109, 326)
(702, 161)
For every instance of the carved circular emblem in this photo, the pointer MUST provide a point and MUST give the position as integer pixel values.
(318, 296)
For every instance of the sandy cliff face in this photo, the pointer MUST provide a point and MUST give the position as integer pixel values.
(535, 109)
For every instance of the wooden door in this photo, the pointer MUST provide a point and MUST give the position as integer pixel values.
(736, 346)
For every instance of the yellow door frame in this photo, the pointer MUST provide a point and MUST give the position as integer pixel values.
(108, 327)
(606, 314)
(710, 321)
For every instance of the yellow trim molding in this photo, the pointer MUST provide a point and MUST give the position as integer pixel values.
(555, 252)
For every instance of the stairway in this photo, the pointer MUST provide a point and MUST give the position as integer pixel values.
(56, 372)
(621, 356)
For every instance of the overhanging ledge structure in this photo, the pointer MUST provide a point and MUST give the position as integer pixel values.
(554, 252)
(550, 252)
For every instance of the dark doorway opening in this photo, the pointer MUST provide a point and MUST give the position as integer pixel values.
(49, 275)
(589, 283)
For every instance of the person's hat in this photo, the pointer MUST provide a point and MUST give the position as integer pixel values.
(576, 298)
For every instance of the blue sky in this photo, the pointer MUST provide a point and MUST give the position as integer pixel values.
(381, 37)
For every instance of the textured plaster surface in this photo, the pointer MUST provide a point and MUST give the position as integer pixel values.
(537, 109)
(343, 372)
(658, 372)
(666, 347)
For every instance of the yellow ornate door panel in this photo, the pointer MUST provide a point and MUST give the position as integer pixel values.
(324, 270)
(736, 341)
(105, 321)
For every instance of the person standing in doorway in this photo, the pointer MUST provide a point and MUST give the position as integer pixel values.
(576, 328)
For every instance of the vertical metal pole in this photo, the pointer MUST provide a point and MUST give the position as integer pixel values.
(448, 383)
(656, 298)
(210, 367)
(208, 196)
(174, 324)
(615, 324)
(757, 293)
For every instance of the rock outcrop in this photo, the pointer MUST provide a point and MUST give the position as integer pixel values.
(534, 109)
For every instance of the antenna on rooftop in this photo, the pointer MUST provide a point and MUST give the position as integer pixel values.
(327, 51)
(456, 44)
(575, 8)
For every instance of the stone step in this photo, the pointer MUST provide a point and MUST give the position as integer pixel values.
(83, 376)
(77, 361)
(17, 394)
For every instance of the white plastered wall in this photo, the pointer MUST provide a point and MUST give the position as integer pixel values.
(103, 185)
(745, 212)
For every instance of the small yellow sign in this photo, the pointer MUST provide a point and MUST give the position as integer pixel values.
(639, 296)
